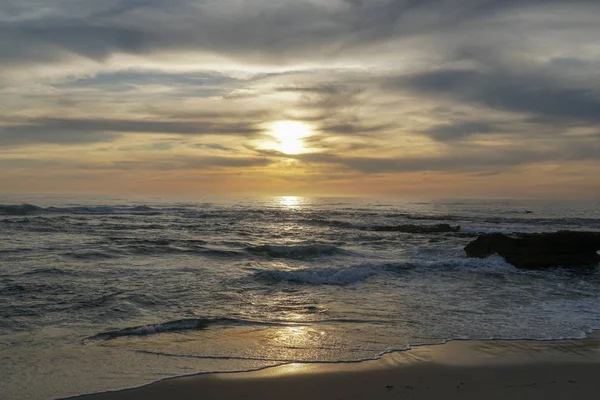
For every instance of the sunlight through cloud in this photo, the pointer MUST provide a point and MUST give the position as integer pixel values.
(289, 135)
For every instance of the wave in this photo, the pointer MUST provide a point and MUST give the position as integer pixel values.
(524, 217)
(31, 209)
(23, 209)
(103, 210)
(90, 255)
(405, 228)
(48, 271)
(477, 230)
(16, 251)
(319, 276)
(362, 272)
(476, 225)
(473, 225)
(494, 262)
(300, 251)
(328, 223)
(218, 252)
(144, 330)
(168, 247)
(412, 228)
(180, 325)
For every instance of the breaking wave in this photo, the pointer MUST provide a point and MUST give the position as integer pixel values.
(180, 325)
(494, 262)
(362, 272)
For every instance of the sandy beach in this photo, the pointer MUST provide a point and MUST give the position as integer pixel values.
(456, 370)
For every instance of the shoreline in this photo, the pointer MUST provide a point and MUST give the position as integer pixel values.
(457, 369)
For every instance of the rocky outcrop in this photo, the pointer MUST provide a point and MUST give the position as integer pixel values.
(411, 228)
(539, 250)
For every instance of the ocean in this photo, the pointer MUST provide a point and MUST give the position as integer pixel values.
(105, 293)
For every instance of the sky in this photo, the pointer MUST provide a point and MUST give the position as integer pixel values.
(406, 98)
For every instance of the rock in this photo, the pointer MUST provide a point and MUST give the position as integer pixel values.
(439, 228)
(539, 250)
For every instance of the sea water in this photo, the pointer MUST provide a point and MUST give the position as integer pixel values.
(101, 293)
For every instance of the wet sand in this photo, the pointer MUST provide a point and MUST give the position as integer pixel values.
(456, 370)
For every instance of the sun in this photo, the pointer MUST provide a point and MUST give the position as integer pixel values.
(289, 135)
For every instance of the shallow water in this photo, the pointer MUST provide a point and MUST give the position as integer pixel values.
(105, 293)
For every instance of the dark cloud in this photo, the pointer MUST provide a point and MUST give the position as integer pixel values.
(190, 163)
(353, 129)
(158, 164)
(134, 28)
(318, 89)
(18, 163)
(207, 83)
(36, 134)
(214, 146)
(253, 30)
(454, 162)
(147, 126)
(55, 40)
(77, 131)
(529, 93)
(460, 130)
(469, 163)
(468, 159)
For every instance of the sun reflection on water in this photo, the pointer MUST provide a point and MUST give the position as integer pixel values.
(291, 202)
(295, 342)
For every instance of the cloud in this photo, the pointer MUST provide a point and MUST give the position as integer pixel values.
(206, 83)
(460, 130)
(255, 32)
(471, 159)
(36, 134)
(474, 162)
(327, 89)
(135, 27)
(214, 146)
(81, 130)
(185, 163)
(475, 87)
(528, 93)
(353, 129)
(182, 162)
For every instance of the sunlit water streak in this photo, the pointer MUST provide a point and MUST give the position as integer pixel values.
(105, 293)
